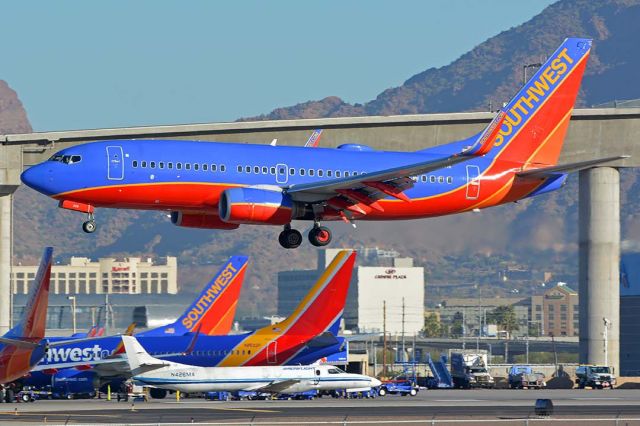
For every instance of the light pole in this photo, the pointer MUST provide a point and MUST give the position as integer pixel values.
(73, 311)
(524, 71)
(605, 334)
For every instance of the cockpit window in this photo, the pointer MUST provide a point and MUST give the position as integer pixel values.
(335, 371)
(66, 159)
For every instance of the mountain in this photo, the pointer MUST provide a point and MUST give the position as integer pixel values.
(540, 233)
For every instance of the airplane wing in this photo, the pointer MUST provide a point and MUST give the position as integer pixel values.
(18, 343)
(365, 189)
(274, 387)
(546, 172)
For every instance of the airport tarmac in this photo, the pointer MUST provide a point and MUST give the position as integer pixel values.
(428, 407)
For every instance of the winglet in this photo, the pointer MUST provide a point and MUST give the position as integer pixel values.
(212, 312)
(33, 322)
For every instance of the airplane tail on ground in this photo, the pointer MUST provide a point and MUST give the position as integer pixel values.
(33, 322)
(213, 311)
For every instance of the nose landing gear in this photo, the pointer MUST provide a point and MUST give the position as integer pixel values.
(90, 225)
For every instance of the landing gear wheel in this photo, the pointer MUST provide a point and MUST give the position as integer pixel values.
(320, 236)
(290, 238)
(89, 226)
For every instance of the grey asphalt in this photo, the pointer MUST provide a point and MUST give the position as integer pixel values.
(427, 405)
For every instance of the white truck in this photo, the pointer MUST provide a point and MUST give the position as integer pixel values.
(469, 369)
(595, 377)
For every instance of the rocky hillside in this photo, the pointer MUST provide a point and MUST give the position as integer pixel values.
(541, 232)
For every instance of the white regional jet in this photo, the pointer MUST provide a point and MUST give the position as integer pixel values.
(161, 374)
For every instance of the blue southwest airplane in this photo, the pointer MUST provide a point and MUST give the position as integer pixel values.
(307, 335)
(211, 314)
(225, 185)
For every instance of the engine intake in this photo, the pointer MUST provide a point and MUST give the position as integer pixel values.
(193, 220)
(256, 206)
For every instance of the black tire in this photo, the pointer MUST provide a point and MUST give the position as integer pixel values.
(156, 393)
(89, 226)
(290, 238)
(9, 396)
(320, 236)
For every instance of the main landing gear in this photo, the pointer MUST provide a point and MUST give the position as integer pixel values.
(319, 236)
(90, 225)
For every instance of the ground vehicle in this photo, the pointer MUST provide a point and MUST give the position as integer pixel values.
(402, 387)
(217, 396)
(469, 370)
(595, 377)
(523, 377)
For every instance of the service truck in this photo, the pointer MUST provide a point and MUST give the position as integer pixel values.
(469, 369)
(595, 377)
(523, 377)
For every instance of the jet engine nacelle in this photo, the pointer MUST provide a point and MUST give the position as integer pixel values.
(194, 220)
(256, 206)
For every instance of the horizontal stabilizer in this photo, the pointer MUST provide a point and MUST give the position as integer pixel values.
(322, 340)
(546, 172)
(18, 343)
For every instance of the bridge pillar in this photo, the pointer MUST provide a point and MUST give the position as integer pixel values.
(599, 266)
(5, 263)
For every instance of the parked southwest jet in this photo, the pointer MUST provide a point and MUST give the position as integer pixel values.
(307, 335)
(211, 313)
(225, 185)
(161, 374)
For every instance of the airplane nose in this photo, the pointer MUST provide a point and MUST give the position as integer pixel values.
(38, 178)
(375, 382)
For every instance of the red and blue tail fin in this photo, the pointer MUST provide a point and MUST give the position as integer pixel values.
(34, 319)
(213, 311)
(537, 118)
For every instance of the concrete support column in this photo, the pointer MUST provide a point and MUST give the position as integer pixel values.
(5, 263)
(599, 274)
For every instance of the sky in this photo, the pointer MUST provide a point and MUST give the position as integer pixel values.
(84, 65)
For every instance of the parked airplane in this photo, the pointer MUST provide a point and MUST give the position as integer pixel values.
(307, 335)
(225, 185)
(211, 313)
(273, 379)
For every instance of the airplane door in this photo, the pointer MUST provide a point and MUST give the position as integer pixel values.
(473, 182)
(272, 353)
(115, 166)
(282, 173)
(316, 378)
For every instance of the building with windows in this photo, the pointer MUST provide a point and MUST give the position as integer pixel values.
(106, 276)
(382, 281)
(556, 311)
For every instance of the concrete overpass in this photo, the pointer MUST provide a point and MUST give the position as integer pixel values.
(593, 133)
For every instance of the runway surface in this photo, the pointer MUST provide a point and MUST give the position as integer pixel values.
(427, 406)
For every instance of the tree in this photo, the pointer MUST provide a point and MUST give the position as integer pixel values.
(432, 326)
(457, 326)
(505, 318)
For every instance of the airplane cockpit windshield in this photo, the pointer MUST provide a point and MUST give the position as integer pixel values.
(335, 370)
(66, 159)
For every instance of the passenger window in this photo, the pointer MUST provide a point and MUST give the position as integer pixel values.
(152, 164)
(292, 171)
(223, 167)
(346, 174)
(449, 179)
(432, 179)
(134, 164)
(311, 172)
(256, 169)
(329, 173)
(440, 179)
(196, 166)
(161, 165)
(355, 173)
(179, 166)
(272, 170)
(214, 168)
(423, 178)
(247, 169)
(265, 170)
(205, 167)
(187, 166)
(301, 172)
(169, 165)
(143, 164)
(239, 169)
(320, 173)
(338, 173)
